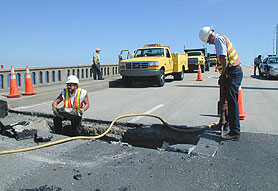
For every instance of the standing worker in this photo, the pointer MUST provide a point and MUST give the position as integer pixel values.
(257, 63)
(228, 64)
(96, 65)
(75, 103)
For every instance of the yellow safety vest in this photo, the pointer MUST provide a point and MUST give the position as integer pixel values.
(76, 103)
(233, 58)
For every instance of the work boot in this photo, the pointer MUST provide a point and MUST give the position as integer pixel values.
(230, 137)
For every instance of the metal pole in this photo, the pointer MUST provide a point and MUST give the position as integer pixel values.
(273, 48)
(276, 39)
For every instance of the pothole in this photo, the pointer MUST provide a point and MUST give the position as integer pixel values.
(140, 135)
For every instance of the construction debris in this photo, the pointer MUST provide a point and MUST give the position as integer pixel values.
(3, 108)
(21, 128)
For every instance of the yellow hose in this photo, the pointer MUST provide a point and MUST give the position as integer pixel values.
(104, 133)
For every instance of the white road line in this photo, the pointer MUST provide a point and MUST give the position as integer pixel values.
(27, 107)
(210, 76)
(147, 112)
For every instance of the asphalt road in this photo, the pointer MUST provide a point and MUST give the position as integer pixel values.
(188, 102)
(248, 164)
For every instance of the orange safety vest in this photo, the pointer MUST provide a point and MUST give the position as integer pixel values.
(233, 58)
(76, 103)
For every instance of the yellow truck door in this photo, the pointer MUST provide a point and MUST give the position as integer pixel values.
(124, 54)
(168, 62)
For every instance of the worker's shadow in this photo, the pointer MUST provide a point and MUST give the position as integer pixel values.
(213, 135)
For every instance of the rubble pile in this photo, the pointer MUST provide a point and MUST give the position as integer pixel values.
(21, 128)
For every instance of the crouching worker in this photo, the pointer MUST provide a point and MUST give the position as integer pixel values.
(75, 103)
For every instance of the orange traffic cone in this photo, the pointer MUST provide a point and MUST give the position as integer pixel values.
(216, 70)
(28, 83)
(13, 85)
(242, 114)
(199, 77)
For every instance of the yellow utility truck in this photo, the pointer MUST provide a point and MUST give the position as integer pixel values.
(196, 57)
(151, 63)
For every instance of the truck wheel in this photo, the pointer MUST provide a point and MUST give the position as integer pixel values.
(179, 76)
(260, 74)
(160, 79)
(268, 76)
(207, 66)
(203, 68)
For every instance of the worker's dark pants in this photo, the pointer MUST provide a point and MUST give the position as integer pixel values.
(232, 85)
(73, 130)
(255, 68)
(97, 71)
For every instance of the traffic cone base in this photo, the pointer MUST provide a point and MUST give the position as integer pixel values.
(14, 94)
(13, 86)
(29, 93)
(242, 116)
(28, 83)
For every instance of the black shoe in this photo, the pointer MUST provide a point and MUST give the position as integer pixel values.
(230, 137)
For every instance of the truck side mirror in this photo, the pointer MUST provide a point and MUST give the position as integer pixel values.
(120, 57)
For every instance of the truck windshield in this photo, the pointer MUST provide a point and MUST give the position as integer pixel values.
(149, 52)
(194, 54)
(273, 60)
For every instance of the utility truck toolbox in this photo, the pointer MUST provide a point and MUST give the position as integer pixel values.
(151, 63)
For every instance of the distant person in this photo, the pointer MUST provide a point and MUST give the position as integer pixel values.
(75, 103)
(228, 64)
(257, 64)
(96, 65)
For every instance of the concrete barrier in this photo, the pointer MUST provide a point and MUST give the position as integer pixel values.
(53, 74)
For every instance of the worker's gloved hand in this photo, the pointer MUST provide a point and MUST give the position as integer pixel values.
(55, 110)
(81, 111)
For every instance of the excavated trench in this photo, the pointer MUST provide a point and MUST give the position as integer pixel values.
(139, 135)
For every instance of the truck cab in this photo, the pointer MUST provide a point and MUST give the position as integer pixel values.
(213, 59)
(198, 57)
(151, 63)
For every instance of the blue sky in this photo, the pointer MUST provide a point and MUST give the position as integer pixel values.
(67, 32)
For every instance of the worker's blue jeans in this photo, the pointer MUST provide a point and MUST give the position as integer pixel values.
(232, 85)
(97, 71)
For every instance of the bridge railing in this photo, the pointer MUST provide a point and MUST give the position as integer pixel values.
(53, 74)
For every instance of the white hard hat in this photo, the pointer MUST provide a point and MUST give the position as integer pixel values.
(72, 79)
(204, 33)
